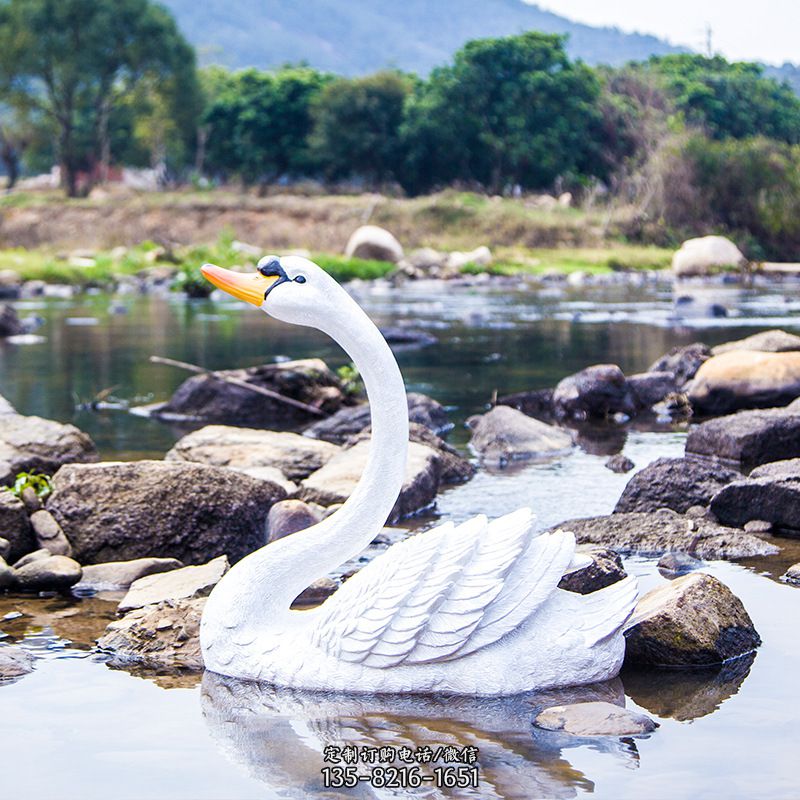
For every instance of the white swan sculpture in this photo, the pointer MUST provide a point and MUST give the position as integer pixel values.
(470, 609)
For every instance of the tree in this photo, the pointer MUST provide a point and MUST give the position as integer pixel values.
(357, 126)
(508, 111)
(257, 123)
(73, 60)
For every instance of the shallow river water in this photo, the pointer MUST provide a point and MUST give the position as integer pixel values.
(76, 729)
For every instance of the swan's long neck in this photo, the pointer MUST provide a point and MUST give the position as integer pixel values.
(263, 585)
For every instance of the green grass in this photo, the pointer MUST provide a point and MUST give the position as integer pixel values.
(346, 269)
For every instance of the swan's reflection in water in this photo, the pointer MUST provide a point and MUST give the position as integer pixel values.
(279, 735)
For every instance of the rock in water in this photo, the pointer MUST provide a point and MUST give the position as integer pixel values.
(606, 568)
(177, 584)
(651, 388)
(372, 242)
(15, 526)
(792, 575)
(595, 719)
(335, 482)
(204, 397)
(33, 444)
(54, 573)
(294, 455)
(748, 438)
(289, 516)
(505, 434)
(676, 483)
(706, 255)
(678, 563)
(535, 403)
(682, 362)
(692, 621)
(14, 662)
(166, 636)
(121, 574)
(192, 512)
(745, 379)
(619, 463)
(596, 392)
(765, 342)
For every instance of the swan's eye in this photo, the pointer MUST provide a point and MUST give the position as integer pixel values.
(300, 279)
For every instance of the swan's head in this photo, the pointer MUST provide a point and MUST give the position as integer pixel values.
(292, 289)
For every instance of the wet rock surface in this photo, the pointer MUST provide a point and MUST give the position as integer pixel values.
(204, 397)
(606, 568)
(121, 574)
(792, 575)
(742, 379)
(678, 564)
(173, 585)
(504, 434)
(14, 662)
(597, 392)
(595, 719)
(693, 620)
(748, 438)
(192, 512)
(676, 483)
(654, 533)
(294, 455)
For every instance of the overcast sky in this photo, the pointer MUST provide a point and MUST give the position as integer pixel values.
(757, 30)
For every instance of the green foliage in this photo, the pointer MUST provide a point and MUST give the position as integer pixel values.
(350, 377)
(37, 481)
(357, 127)
(347, 269)
(258, 123)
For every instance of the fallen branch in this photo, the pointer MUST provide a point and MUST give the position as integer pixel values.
(237, 382)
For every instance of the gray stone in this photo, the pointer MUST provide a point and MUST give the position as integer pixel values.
(775, 500)
(596, 718)
(49, 534)
(706, 255)
(651, 388)
(121, 574)
(606, 568)
(792, 575)
(192, 512)
(778, 470)
(619, 463)
(505, 434)
(204, 397)
(353, 420)
(33, 444)
(177, 584)
(682, 362)
(535, 403)
(758, 526)
(678, 563)
(748, 438)
(294, 455)
(15, 527)
(316, 593)
(692, 621)
(373, 242)
(676, 483)
(8, 577)
(14, 662)
(29, 558)
(54, 573)
(31, 500)
(335, 482)
(775, 341)
(655, 533)
(289, 516)
(597, 392)
(5, 548)
(745, 379)
(165, 636)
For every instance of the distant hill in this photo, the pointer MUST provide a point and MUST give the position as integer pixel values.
(353, 37)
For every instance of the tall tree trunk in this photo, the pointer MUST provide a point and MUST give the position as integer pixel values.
(104, 140)
(69, 177)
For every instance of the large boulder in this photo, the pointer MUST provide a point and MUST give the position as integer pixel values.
(596, 392)
(745, 379)
(51, 573)
(335, 482)
(594, 719)
(706, 255)
(676, 483)
(121, 574)
(665, 531)
(192, 512)
(694, 620)
(14, 662)
(350, 421)
(770, 493)
(15, 527)
(33, 444)
(775, 341)
(505, 434)
(207, 398)
(244, 449)
(372, 242)
(682, 362)
(748, 438)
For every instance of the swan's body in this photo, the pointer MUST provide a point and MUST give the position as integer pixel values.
(473, 609)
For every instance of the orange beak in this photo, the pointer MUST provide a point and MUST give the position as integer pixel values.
(248, 286)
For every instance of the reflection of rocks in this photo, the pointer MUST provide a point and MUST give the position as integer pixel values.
(606, 568)
(595, 719)
(14, 662)
(664, 531)
(676, 483)
(279, 735)
(601, 439)
(748, 438)
(694, 620)
(686, 694)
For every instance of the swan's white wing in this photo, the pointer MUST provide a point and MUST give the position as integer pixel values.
(444, 593)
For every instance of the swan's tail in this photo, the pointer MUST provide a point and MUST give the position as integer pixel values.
(605, 612)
